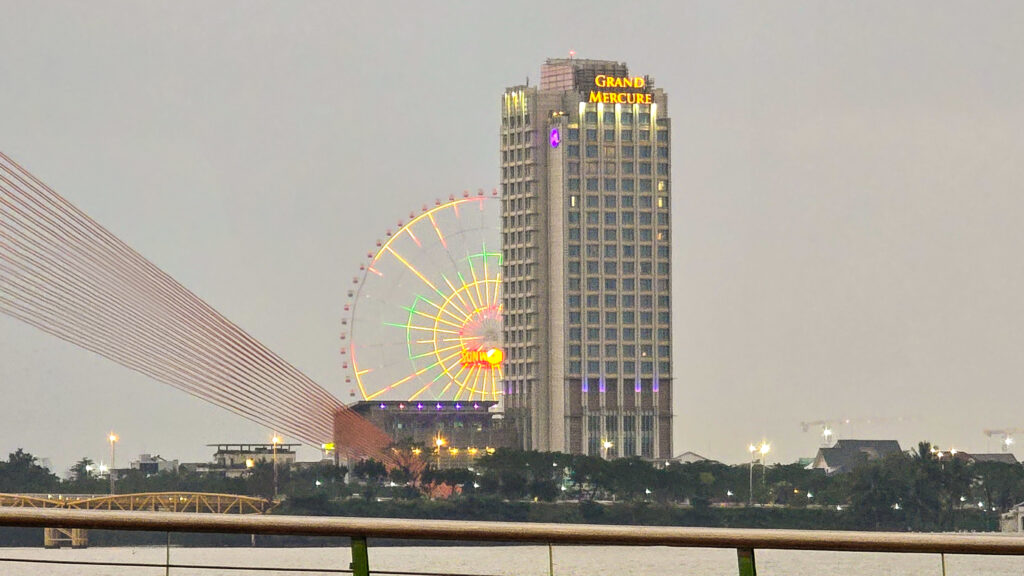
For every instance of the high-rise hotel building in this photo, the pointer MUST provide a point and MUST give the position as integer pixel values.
(586, 231)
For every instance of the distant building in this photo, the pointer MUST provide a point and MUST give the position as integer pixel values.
(1012, 520)
(1002, 457)
(688, 458)
(586, 270)
(149, 464)
(466, 429)
(845, 455)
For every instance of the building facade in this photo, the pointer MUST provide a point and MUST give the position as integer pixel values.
(586, 233)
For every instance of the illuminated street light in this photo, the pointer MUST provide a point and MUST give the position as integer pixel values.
(606, 445)
(274, 441)
(112, 438)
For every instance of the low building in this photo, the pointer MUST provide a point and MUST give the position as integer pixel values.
(463, 429)
(150, 464)
(1001, 457)
(846, 455)
(1012, 520)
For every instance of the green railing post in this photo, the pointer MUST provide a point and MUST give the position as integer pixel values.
(360, 565)
(746, 559)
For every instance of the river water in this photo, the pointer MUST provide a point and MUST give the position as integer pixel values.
(504, 560)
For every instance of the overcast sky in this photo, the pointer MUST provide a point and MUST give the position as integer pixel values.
(847, 212)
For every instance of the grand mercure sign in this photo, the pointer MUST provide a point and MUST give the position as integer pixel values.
(619, 90)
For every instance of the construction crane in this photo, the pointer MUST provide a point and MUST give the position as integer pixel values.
(828, 426)
(1006, 434)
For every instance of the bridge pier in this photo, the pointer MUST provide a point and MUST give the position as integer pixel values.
(60, 537)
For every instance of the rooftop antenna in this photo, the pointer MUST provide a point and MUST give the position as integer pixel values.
(572, 54)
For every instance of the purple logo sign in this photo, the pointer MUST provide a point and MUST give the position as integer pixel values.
(555, 138)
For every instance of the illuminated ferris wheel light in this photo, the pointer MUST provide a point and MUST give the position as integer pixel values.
(426, 319)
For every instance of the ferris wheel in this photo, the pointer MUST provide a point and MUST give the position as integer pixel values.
(424, 318)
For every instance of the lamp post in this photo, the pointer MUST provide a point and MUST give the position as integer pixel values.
(439, 441)
(274, 442)
(605, 447)
(750, 494)
(765, 447)
(112, 438)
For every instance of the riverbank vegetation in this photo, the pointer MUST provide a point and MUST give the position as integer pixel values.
(905, 491)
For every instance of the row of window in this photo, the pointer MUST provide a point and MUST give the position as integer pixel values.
(612, 267)
(613, 234)
(611, 201)
(612, 367)
(628, 350)
(628, 333)
(614, 300)
(615, 185)
(613, 316)
(590, 116)
(615, 218)
(608, 135)
(593, 151)
(611, 284)
(610, 250)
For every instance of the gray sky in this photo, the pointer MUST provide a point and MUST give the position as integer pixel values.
(847, 232)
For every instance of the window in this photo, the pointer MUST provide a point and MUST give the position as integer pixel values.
(628, 267)
(592, 201)
(628, 301)
(627, 218)
(628, 334)
(645, 235)
(645, 118)
(662, 169)
(593, 251)
(663, 333)
(664, 351)
(574, 317)
(626, 118)
(574, 184)
(609, 234)
(628, 366)
(592, 217)
(609, 116)
(574, 217)
(611, 333)
(627, 249)
(609, 300)
(609, 201)
(592, 134)
(611, 367)
(574, 301)
(663, 268)
(574, 134)
(645, 184)
(663, 251)
(662, 151)
(663, 301)
(628, 317)
(627, 151)
(574, 267)
(592, 267)
(611, 267)
(609, 218)
(592, 235)
(627, 135)
(609, 183)
(627, 201)
(645, 267)
(611, 317)
(593, 317)
(593, 366)
(627, 167)
(645, 284)
(628, 284)
(574, 233)
(592, 301)
(590, 116)
(593, 334)
(609, 135)
(645, 169)
(645, 218)
(609, 283)
(591, 150)
(627, 185)
(610, 250)
(573, 150)
(574, 284)
(593, 284)
(575, 334)
(575, 366)
(591, 184)
(645, 151)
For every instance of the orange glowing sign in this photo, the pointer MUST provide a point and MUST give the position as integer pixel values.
(605, 82)
(490, 359)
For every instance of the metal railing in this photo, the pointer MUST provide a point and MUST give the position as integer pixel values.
(744, 541)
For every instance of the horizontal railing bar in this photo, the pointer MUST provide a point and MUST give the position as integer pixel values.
(165, 565)
(517, 532)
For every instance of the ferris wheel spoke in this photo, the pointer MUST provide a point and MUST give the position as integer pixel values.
(414, 270)
(458, 294)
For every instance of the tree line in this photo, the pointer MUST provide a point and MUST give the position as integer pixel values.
(915, 490)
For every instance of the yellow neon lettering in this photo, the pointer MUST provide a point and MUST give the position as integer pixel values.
(600, 80)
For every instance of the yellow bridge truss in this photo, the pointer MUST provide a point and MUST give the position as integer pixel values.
(146, 501)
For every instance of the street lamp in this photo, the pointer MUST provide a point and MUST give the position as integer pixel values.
(750, 495)
(765, 447)
(439, 441)
(605, 447)
(275, 440)
(112, 438)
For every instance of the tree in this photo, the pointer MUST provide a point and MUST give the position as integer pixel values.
(21, 473)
